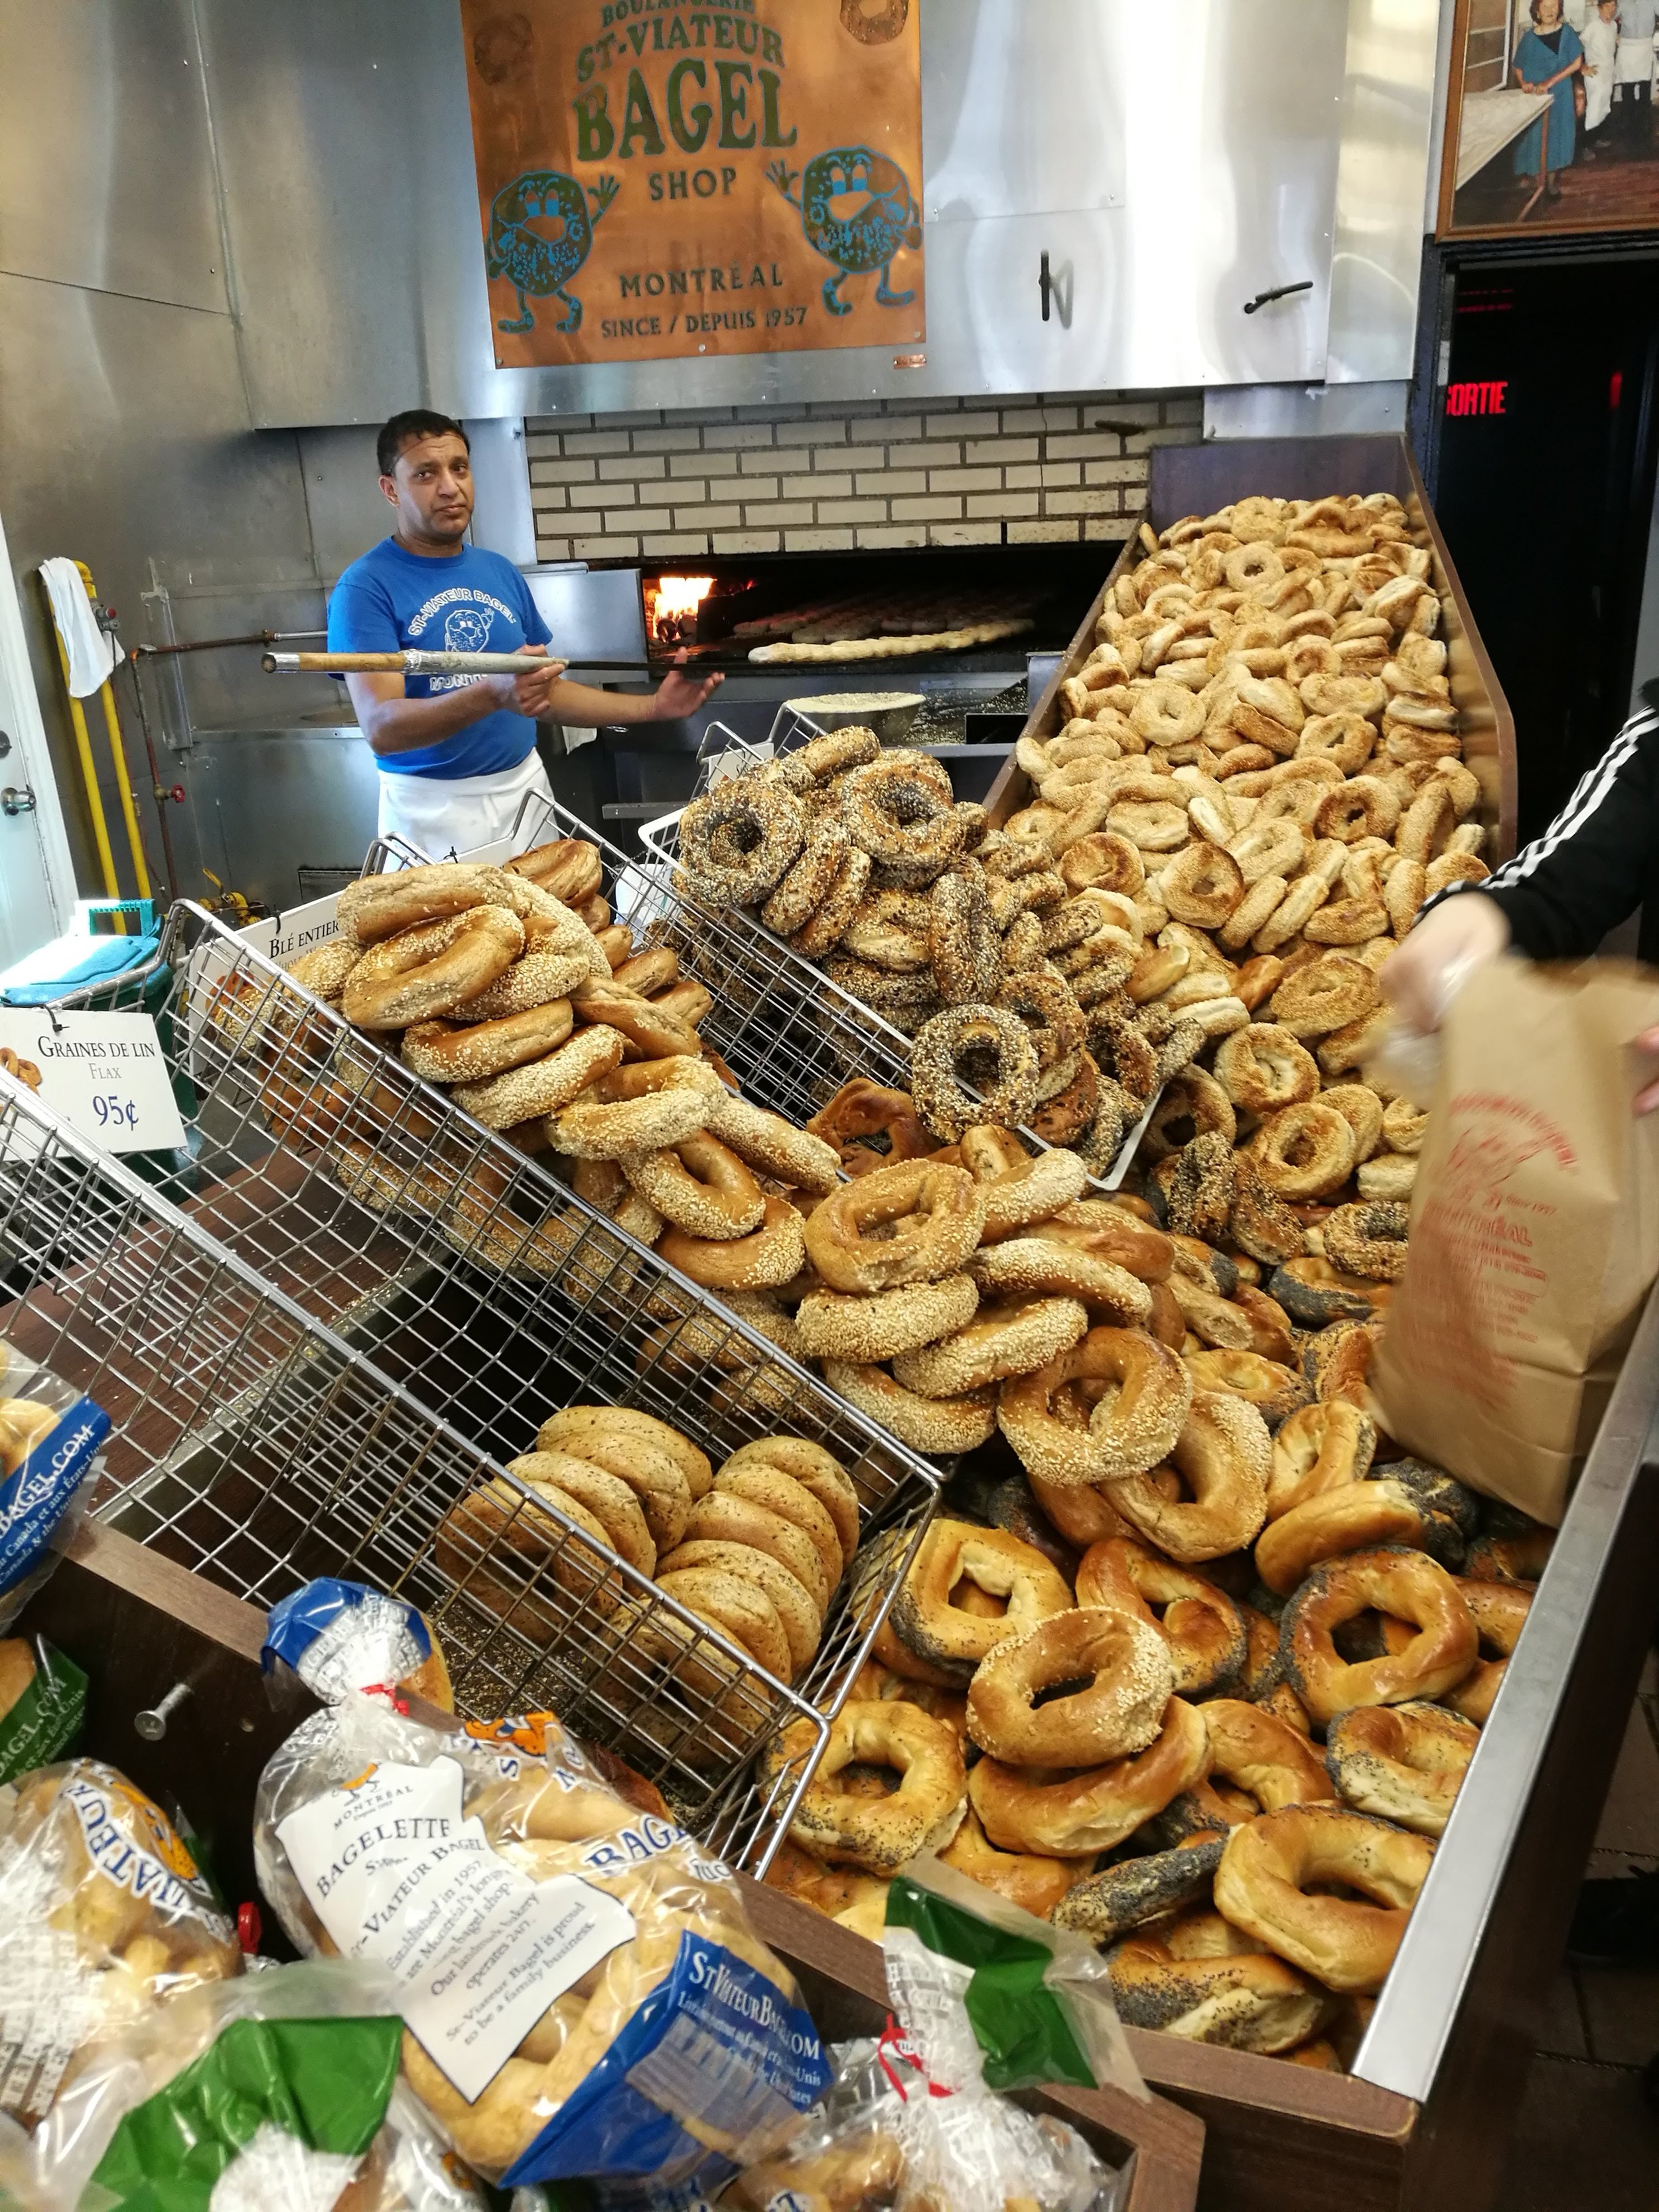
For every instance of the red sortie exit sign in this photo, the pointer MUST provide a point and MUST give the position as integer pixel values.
(1476, 398)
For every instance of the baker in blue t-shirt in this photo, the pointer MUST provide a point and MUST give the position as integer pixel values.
(457, 754)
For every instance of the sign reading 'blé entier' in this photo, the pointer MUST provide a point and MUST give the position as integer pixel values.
(660, 178)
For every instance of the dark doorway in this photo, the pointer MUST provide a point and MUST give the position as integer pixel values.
(1545, 491)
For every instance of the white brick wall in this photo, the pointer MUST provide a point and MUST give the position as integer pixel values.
(829, 478)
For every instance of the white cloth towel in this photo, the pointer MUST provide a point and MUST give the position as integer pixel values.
(92, 653)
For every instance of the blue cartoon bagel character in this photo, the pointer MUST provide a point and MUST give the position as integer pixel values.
(871, 234)
(540, 231)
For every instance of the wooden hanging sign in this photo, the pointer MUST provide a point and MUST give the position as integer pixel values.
(660, 178)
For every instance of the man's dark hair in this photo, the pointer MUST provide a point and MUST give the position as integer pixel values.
(404, 430)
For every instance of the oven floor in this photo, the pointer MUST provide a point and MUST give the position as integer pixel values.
(1588, 2134)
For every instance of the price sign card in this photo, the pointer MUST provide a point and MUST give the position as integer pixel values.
(105, 1073)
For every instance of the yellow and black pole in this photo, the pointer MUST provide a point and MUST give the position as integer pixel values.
(89, 776)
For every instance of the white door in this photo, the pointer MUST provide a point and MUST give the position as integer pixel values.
(37, 875)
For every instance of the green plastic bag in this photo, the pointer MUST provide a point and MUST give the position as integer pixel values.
(988, 1993)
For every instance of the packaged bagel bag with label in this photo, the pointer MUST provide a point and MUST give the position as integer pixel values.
(50, 1436)
(279, 2090)
(1534, 1230)
(986, 1999)
(104, 1918)
(581, 1992)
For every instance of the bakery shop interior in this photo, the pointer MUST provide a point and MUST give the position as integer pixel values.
(828, 1106)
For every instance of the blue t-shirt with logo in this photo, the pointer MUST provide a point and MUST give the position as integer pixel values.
(466, 602)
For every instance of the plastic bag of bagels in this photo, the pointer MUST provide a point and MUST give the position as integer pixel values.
(1534, 1230)
(993, 1998)
(279, 2089)
(581, 1992)
(103, 1919)
(888, 2134)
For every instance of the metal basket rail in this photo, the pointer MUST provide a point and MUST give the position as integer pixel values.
(255, 1445)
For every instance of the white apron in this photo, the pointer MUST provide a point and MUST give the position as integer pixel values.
(1635, 63)
(439, 815)
(1600, 43)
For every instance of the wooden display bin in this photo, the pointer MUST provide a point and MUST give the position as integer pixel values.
(1197, 479)
(141, 1626)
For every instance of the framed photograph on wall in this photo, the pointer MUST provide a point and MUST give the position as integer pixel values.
(1550, 118)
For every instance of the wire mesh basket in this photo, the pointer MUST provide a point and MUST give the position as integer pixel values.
(364, 1203)
(751, 949)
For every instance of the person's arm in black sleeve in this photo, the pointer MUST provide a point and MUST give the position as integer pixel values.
(1557, 899)
(1586, 874)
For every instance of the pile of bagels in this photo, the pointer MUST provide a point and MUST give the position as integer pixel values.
(757, 1547)
(1262, 760)
(513, 990)
(1201, 1678)
(968, 939)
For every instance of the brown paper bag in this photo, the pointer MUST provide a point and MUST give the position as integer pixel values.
(1535, 1230)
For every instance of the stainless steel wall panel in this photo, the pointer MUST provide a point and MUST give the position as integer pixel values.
(345, 157)
(105, 174)
(1387, 116)
(263, 804)
(1186, 159)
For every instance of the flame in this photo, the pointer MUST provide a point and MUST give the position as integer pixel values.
(674, 598)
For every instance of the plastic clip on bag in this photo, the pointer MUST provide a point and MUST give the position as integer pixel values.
(103, 1916)
(581, 1991)
(49, 1440)
(335, 1637)
(281, 2090)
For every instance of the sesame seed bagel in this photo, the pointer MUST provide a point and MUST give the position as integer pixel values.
(941, 1426)
(776, 1147)
(1133, 1422)
(540, 979)
(375, 908)
(934, 1213)
(815, 1470)
(1109, 1677)
(544, 1086)
(432, 968)
(1004, 1340)
(629, 1118)
(834, 1325)
(447, 1052)
(767, 1257)
(700, 1185)
(1038, 1267)
(570, 1430)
